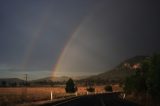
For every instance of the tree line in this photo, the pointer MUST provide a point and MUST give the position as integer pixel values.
(146, 80)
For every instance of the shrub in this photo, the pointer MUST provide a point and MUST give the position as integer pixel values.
(70, 86)
(91, 89)
(108, 88)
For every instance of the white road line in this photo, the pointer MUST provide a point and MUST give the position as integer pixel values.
(66, 101)
(102, 102)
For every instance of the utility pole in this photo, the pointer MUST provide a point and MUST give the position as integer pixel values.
(26, 78)
(24, 89)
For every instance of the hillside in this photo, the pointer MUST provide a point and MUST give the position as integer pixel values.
(59, 79)
(11, 81)
(53, 79)
(119, 73)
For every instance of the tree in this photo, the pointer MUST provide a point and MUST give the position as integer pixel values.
(137, 82)
(4, 83)
(14, 84)
(108, 88)
(91, 89)
(153, 77)
(70, 86)
(146, 80)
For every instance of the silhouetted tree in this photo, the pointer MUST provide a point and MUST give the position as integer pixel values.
(146, 80)
(91, 89)
(108, 88)
(153, 76)
(4, 83)
(137, 82)
(14, 84)
(70, 86)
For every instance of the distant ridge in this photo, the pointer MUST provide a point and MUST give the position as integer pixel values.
(59, 79)
(53, 79)
(10, 80)
(4, 82)
(119, 73)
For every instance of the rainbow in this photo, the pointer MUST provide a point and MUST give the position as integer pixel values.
(37, 34)
(80, 27)
(73, 36)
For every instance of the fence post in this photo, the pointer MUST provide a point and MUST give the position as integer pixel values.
(51, 96)
(76, 94)
(87, 92)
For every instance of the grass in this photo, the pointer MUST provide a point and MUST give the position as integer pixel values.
(18, 95)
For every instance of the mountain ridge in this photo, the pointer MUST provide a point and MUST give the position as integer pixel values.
(121, 71)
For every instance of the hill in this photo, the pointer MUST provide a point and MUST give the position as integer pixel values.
(11, 82)
(119, 73)
(53, 79)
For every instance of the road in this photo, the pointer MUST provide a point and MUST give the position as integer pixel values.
(111, 99)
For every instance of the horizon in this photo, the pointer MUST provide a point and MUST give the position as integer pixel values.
(32, 74)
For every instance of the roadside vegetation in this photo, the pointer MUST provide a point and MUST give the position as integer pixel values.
(90, 89)
(70, 86)
(18, 95)
(144, 85)
(108, 88)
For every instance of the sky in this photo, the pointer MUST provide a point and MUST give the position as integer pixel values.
(74, 37)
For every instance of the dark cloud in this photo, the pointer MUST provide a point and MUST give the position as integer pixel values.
(34, 33)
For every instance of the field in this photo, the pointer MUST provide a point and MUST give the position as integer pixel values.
(18, 95)
(30, 94)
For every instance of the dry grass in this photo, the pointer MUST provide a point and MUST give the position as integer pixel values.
(31, 90)
(10, 96)
(19, 95)
(117, 88)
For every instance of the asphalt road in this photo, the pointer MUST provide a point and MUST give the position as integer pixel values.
(111, 99)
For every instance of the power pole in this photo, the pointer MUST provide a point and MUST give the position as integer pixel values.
(24, 89)
(26, 78)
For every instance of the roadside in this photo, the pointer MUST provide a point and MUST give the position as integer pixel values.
(47, 102)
